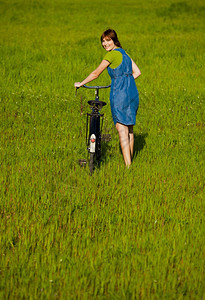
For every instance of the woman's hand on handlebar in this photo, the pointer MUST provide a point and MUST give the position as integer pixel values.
(77, 85)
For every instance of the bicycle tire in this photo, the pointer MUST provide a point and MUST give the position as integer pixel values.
(95, 129)
(98, 140)
(91, 163)
(98, 148)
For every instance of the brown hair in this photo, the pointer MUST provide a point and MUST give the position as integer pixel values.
(110, 33)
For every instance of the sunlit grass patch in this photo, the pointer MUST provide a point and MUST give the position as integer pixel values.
(121, 233)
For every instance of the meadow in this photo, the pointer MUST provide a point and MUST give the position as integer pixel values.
(135, 233)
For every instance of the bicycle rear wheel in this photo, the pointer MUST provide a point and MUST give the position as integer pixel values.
(91, 162)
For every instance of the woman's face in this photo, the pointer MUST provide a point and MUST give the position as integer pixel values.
(108, 44)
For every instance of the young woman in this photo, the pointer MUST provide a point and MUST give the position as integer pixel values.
(124, 99)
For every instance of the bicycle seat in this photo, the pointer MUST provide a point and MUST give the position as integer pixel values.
(97, 103)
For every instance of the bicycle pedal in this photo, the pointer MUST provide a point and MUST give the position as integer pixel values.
(106, 137)
(82, 162)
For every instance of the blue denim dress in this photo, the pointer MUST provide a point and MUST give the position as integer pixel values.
(124, 97)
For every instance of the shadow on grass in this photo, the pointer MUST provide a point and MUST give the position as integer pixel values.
(139, 143)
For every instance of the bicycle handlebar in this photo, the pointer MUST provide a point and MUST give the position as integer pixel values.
(96, 87)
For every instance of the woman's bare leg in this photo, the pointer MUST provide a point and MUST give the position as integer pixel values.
(131, 137)
(123, 132)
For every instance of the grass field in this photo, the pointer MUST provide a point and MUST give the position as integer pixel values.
(122, 233)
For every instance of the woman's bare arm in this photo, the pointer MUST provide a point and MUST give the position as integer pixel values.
(135, 70)
(104, 64)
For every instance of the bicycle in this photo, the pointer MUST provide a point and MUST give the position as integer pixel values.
(94, 127)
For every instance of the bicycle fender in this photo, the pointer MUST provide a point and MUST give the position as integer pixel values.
(92, 143)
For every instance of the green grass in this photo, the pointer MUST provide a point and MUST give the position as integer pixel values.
(119, 234)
